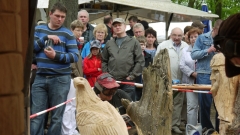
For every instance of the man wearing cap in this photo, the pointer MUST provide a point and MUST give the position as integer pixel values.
(122, 57)
(198, 24)
(203, 51)
(228, 43)
(106, 89)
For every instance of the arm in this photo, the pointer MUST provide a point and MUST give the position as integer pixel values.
(71, 55)
(105, 57)
(184, 68)
(197, 52)
(87, 69)
(139, 61)
(39, 43)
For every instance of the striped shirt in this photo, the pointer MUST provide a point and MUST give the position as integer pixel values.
(66, 51)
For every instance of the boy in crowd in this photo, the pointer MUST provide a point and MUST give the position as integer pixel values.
(148, 59)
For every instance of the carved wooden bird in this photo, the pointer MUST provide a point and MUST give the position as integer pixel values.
(94, 116)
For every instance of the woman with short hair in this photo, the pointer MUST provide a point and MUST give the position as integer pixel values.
(100, 32)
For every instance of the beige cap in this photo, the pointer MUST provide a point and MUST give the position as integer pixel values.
(119, 20)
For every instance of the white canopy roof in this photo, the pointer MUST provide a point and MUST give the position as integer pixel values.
(164, 6)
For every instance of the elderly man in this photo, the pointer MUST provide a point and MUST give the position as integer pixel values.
(132, 21)
(122, 57)
(138, 30)
(83, 16)
(174, 46)
(203, 51)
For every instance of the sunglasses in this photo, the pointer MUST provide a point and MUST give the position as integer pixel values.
(109, 92)
(229, 47)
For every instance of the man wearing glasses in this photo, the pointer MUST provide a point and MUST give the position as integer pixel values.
(174, 46)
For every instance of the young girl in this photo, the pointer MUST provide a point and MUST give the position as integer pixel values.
(92, 63)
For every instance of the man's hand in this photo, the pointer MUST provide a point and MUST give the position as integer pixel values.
(34, 66)
(194, 74)
(55, 39)
(50, 52)
(211, 49)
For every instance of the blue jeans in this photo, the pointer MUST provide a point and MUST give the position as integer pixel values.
(205, 102)
(48, 90)
(129, 89)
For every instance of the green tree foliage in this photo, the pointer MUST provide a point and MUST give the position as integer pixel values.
(223, 8)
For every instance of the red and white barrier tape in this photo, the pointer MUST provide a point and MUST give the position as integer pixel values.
(129, 83)
(195, 91)
(52, 108)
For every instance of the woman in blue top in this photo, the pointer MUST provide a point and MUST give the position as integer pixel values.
(100, 33)
(150, 35)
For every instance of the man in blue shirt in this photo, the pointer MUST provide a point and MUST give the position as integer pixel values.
(55, 48)
(203, 51)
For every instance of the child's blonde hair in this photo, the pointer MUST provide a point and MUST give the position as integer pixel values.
(76, 24)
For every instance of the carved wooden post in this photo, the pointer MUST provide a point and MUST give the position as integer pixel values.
(153, 113)
(226, 95)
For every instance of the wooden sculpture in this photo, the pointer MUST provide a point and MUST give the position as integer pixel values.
(94, 116)
(225, 92)
(152, 115)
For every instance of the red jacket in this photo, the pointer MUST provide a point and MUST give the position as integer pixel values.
(90, 69)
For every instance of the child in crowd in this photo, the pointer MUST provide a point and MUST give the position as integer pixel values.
(142, 40)
(92, 63)
(148, 59)
(77, 29)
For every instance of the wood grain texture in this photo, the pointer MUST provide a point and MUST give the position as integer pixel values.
(12, 117)
(152, 114)
(224, 91)
(11, 80)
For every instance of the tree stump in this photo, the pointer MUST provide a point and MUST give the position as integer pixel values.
(152, 115)
(225, 92)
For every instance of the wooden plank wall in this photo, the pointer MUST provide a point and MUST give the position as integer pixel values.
(14, 42)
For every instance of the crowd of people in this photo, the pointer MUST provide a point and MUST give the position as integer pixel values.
(108, 53)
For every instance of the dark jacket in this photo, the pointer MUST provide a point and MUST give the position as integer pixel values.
(124, 61)
(130, 32)
(88, 34)
(148, 58)
(109, 34)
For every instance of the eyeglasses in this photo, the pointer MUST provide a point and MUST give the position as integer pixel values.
(229, 47)
(109, 92)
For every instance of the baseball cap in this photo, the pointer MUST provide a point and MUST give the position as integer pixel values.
(198, 24)
(105, 80)
(228, 35)
(95, 43)
(118, 20)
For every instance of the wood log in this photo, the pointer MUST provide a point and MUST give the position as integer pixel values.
(224, 91)
(152, 114)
